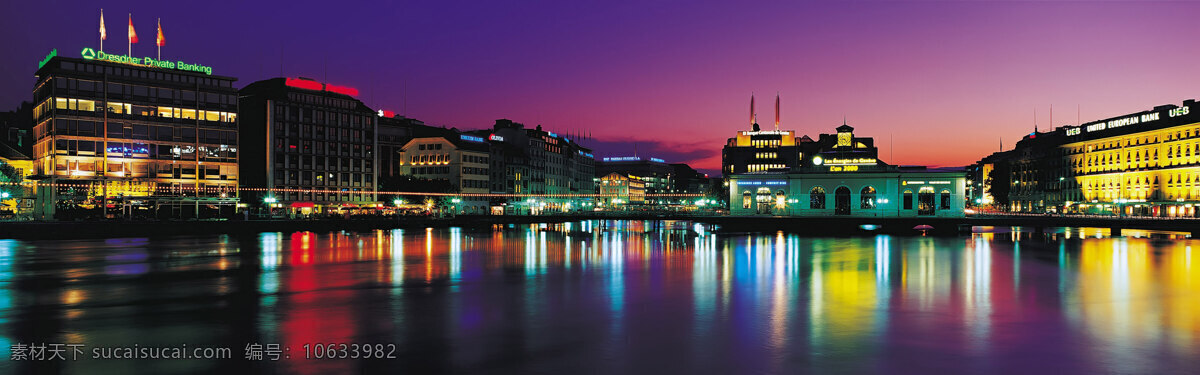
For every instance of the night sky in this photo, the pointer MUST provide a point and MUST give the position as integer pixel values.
(941, 81)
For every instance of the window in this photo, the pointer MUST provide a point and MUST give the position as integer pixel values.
(816, 199)
(867, 198)
(945, 198)
(908, 199)
(746, 199)
(841, 198)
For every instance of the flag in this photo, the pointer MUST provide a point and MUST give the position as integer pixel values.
(103, 35)
(132, 33)
(161, 40)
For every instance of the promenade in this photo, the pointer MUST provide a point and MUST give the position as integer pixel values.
(839, 226)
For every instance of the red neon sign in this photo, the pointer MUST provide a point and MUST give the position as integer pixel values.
(387, 113)
(317, 86)
(341, 90)
(303, 84)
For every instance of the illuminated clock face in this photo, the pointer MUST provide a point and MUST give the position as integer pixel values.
(844, 139)
(817, 160)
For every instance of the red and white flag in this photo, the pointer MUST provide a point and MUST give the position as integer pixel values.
(161, 41)
(132, 33)
(103, 35)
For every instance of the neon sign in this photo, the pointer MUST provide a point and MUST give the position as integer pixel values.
(309, 84)
(341, 90)
(53, 52)
(90, 54)
(851, 161)
(470, 138)
(657, 160)
(761, 182)
(623, 158)
(839, 168)
(304, 84)
(496, 138)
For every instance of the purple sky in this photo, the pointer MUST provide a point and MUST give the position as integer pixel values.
(943, 80)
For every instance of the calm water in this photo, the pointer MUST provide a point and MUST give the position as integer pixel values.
(615, 297)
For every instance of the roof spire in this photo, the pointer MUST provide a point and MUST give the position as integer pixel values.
(777, 110)
(752, 117)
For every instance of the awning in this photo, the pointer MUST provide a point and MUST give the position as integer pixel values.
(303, 205)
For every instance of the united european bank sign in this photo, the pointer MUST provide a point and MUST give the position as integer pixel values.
(92, 54)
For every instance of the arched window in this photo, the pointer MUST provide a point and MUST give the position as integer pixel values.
(746, 199)
(780, 199)
(816, 198)
(908, 199)
(925, 201)
(945, 198)
(763, 197)
(867, 198)
(841, 201)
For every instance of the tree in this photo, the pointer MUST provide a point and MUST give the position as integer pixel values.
(10, 180)
(999, 182)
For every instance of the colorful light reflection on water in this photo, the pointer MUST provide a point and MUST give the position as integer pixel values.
(618, 297)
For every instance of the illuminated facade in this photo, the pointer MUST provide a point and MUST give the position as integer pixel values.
(461, 159)
(759, 150)
(311, 144)
(842, 176)
(1141, 164)
(894, 192)
(535, 161)
(15, 169)
(619, 189)
(394, 132)
(128, 139)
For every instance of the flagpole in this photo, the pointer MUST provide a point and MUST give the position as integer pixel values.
(156, 39)
(129, 38)
(101, 27)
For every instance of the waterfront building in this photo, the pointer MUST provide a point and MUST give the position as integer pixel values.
(557, 169)
(310, 145)
(123, 136)
(16, 198)
(618, 190)
(458, 158)
(656, 177)
(654, 174)
(758, 150)
(843, 177)
(394, 132)
(1145, 163)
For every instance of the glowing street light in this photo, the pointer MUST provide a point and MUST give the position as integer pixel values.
(270, 200)
(397, 202)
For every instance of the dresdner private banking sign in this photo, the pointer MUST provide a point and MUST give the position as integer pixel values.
(92, 54)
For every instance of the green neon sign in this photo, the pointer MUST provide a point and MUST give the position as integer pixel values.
(91, 54)
(53, 52)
